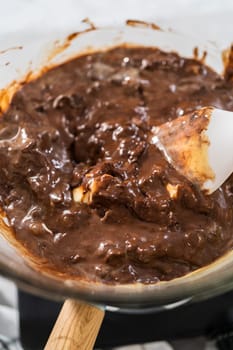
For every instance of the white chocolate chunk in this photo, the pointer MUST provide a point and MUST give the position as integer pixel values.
(80, 195)
(83, 194)
(172, 190)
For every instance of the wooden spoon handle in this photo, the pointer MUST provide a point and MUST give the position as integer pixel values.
(77, 327)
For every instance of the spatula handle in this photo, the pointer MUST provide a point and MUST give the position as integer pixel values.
(77, 327)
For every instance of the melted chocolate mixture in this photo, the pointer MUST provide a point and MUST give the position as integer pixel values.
(83, 188)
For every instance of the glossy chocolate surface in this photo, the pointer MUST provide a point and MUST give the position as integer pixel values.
(84, 190)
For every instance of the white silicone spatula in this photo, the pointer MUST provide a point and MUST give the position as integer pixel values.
(199, 145)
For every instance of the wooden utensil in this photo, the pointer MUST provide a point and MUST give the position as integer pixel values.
(199, 145)
(76, 328)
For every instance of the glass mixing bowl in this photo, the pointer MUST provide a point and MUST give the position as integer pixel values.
(24, 55)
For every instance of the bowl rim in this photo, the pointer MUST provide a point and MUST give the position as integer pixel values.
(193, 286)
